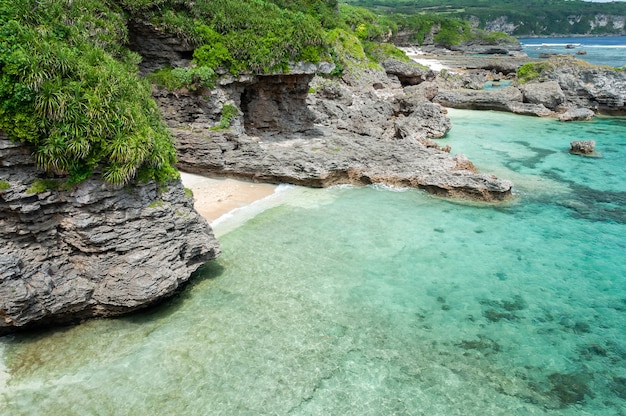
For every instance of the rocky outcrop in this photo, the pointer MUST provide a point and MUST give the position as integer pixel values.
(359, 135)
(576, 114)
(583, 147)
(548, 94)
(600, 89)
(93, 250)
(508, 99)
(407, 73)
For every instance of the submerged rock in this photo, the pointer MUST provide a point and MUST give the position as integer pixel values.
(95, 250)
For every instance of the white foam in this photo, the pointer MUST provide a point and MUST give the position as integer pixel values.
(415, 53)
(388, 188)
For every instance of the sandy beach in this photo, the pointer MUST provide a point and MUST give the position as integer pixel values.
(214, 197)
(421, 58)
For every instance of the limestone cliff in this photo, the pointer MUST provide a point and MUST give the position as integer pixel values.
(93, 250)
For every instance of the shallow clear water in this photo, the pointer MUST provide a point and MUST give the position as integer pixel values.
(375, 301)
(609, 50)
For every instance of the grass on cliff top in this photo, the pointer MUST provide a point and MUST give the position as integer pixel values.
(71, 90)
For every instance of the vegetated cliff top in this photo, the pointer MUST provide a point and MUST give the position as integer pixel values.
(531, 17)
(71, 88)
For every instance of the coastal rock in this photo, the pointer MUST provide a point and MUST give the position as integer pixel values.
(326, 158)
(583, 147)
(420, 119)
(360, 135)
(95, 250)
(548, 94)
(527, 109)
(600, 89)
(576, 114)
(480, 100)
(407, 73)
(426, 90)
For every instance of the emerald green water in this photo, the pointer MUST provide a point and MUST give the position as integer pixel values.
(377, 301)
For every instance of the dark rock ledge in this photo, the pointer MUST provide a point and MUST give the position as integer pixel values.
(96, 250)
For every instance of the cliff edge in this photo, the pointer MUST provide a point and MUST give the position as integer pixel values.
(95, 250)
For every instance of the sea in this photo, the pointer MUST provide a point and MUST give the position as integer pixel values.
(378, 300)
(605, 50)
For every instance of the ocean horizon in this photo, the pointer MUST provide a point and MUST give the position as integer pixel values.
(598, 50)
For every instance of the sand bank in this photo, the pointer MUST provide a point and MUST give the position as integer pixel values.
(214, 197)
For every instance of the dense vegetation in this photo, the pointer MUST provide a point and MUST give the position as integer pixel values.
(69, 85)
(259, 36)
(69, 88)
(531, 17)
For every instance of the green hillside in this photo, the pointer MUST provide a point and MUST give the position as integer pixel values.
(528, 17)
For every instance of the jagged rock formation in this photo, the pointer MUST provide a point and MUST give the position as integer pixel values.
(568, 88)
(408, 74)
(94, 250)
(357, 134)
(548, 94)
(576, 114)
(597, 88)
(583, 147)
(506, 99)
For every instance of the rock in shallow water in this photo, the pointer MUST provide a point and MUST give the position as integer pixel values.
(583, 147)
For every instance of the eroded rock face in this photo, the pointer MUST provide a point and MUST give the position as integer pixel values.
(157, 47)
(482, 99)
(96, 250)
(548, 94)
(593, 87)
(576, 114)
(407, 73)
(359, 135)
(277, 104)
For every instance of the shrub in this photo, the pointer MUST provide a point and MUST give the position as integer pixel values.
(69, 89)
(383, 51)
(42, 185)
(229, 112)
(533, 70)
(4, 185)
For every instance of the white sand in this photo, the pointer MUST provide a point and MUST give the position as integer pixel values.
(215, 197)
(418, 56)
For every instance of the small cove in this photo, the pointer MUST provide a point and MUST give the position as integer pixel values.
(370, 301)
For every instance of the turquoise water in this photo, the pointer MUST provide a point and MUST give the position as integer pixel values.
(378, 301)
(609, 50)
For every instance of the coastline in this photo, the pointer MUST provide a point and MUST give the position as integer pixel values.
(216, 197)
